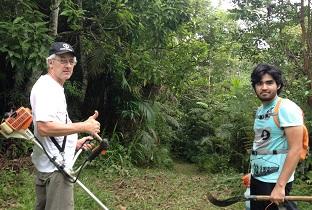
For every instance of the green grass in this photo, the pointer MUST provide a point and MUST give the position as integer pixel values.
(181, 188)
(16, 190)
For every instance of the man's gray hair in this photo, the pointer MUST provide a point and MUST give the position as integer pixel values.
(51, 57)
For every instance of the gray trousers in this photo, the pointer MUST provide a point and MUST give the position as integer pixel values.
(53, 192)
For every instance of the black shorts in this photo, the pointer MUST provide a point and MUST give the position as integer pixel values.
(262, 188)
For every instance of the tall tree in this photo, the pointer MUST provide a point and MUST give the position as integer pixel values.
(55, 8)
(277, 32)
(306, 30)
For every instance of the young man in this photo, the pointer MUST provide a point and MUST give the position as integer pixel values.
(54, 129)
(276, 150)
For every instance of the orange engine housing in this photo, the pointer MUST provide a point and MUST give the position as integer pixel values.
(20, 119)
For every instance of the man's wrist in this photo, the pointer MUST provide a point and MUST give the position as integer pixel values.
(280, 184)
(79, 127)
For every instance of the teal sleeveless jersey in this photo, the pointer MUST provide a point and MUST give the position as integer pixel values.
(268, 136)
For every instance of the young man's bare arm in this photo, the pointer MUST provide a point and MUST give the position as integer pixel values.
(294, 137)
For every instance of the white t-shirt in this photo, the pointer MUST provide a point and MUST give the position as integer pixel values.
(48, 104)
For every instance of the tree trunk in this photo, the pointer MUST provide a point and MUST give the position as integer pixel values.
(84, 75)
(55, 8)
(306, 28)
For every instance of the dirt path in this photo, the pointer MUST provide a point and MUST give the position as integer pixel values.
(182, 188)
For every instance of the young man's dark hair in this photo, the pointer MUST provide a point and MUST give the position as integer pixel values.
(262, 69)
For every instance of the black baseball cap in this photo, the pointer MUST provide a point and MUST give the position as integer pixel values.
(60, 48)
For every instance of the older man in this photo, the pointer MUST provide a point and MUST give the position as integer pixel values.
(55, 131)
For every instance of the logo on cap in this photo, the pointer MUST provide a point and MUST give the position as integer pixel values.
(60, 47)
(66, 47)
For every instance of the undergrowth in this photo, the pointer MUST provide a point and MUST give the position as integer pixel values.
(183, 187)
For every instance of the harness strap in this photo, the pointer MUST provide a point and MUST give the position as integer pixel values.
(268, 152)
(276, 109)
(61, 149)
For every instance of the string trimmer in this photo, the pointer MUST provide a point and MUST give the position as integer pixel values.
(16, 126)
(235, 199)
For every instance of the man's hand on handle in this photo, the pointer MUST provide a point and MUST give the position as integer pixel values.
(81, 143)
(278, 194)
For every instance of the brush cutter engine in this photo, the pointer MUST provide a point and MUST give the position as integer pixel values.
(16, 126)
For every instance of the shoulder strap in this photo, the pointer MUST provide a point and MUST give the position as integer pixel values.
(61, 149)
(276, 110)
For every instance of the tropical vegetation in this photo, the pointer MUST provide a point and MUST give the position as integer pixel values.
(170, 78)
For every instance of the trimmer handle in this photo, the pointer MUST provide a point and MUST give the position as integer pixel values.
(97, 150)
